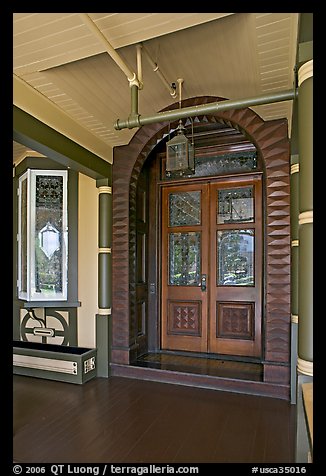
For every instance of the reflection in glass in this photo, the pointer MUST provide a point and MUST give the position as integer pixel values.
(184, 259)
(235, 257)
(49, 239)
(184, 209)
(235, 205)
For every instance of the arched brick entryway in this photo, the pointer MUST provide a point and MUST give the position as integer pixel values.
(271, 139)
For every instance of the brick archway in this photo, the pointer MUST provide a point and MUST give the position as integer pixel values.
(271, 139)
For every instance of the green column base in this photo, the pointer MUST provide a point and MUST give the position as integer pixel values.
(294, 353)
(302, 439)
(103, 338)
(305, 293)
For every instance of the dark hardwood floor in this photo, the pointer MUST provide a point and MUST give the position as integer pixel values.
(123, 420)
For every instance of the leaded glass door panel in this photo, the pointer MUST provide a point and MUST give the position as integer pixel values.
(185, 263)
(235, 267)
(212, 267)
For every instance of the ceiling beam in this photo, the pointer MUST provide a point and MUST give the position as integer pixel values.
(28, 99)
(33, 133)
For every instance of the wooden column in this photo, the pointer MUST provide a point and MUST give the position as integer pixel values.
(294, 270)
(305, 287)
(104, 278)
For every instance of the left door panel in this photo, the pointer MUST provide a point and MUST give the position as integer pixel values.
(185, 267)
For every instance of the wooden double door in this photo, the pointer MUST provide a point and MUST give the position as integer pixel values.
(212, 267)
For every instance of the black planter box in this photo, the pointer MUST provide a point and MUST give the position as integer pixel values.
(54, 362)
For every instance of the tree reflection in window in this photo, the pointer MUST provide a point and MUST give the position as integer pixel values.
(235, 205)
(235, 255)
(184, 259)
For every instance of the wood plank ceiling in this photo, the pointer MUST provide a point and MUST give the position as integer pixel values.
(230, 55)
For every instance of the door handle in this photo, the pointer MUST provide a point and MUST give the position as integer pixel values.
(203, 283)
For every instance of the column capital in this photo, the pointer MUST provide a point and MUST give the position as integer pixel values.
(305, 72)
(305, 367)
(306, 217)
(294, 318)
(105, 181)
(105, 189)
(295, 168)
(104, 311)
(104, 250)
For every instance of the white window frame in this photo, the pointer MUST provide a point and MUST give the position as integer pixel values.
(30, 294)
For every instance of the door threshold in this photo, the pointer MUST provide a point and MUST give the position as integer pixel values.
(201, 365)
(206, 355)
(192, 379)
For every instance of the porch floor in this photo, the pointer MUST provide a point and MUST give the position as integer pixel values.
(202, 366)
(122, 420)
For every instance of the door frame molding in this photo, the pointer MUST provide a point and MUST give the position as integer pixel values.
(272, 142)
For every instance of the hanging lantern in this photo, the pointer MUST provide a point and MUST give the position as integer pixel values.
(180, 152)
(180, 156)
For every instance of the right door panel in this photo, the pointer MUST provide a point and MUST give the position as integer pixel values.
(235, 285)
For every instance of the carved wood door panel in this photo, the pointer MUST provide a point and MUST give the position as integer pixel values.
(212, 267)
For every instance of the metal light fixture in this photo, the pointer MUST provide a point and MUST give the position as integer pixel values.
(180, 152)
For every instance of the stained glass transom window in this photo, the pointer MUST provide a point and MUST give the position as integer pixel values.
(207, 166)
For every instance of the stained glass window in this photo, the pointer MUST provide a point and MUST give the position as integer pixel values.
(184, 209)
(235, 255)
(206, 166)
(235, 205)
(43, 225)
(184, 259)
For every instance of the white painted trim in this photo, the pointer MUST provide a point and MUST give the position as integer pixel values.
(306, 71)
(104, 312)
(43, 331)
(105, 250)
(105, 189)
(295, 168)
(22, 294)
(305, 367)
(294, 318)
(30, 293)
(306, 217)
(294, 243)
(42, 363)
